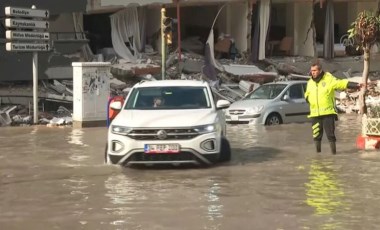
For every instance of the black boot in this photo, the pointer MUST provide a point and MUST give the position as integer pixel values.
(333, 147)
(318, 146)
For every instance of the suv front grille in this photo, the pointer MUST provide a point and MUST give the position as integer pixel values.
(171, 134)
(181, 156)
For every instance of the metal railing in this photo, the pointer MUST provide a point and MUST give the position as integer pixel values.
(370, 126)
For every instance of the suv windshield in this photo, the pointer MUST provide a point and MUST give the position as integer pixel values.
(184, 97)
(269, 91)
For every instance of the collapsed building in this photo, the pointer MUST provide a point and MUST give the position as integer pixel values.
(234, 44)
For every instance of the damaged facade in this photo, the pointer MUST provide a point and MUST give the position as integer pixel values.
(274, 33)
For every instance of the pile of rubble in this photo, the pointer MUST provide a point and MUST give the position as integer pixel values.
(16, 106)
(18, 115)
(347, 101)
(236, 77)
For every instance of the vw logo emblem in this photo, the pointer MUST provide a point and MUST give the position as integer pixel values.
(162, 134)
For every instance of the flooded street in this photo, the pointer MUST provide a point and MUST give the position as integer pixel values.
(54, 178)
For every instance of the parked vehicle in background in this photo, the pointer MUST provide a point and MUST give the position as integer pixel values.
(168, 122)
(271, 104)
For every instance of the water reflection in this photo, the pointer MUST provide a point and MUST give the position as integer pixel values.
(76, 137)
(123, 194)
(215, 207)
(325, 192)
(32, 139)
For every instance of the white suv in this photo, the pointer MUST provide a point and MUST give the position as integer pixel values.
(168, 122)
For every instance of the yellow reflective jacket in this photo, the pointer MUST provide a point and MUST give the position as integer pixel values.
(321, 95)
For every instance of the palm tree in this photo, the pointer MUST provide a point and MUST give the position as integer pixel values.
(365, 31)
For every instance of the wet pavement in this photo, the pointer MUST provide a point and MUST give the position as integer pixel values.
(54, 178)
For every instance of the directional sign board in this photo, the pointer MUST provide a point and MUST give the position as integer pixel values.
(26, 24)
(27, 47)
(26, 13)
(25, 35)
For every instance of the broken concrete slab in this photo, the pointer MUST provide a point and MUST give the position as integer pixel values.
(192, 66)
(250, 73)
(5, 118)
(125, 70)
(247, 86)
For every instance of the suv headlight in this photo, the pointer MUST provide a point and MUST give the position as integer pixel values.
(206, 128)
(255, 110)
(120, 130)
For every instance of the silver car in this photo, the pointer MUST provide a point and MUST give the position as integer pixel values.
(271, 104)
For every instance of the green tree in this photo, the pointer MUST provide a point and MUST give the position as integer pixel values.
(365, 31)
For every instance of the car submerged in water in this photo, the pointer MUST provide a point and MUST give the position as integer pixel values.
(271, 104)
(168, 122)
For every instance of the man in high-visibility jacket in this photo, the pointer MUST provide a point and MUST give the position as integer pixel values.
(320, 94)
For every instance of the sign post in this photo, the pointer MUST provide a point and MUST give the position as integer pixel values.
(19, 29)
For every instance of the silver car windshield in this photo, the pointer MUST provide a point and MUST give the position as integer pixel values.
(269, 91)
(159, 98)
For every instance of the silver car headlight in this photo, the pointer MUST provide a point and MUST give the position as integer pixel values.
(206, 128)
(120, 130)
(255, 110)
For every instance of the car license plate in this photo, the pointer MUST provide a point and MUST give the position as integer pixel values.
(234, 117)
(161, 148)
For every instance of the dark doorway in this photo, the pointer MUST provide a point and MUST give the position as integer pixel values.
(98, 29)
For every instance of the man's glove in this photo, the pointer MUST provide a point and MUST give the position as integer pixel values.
(354, 85)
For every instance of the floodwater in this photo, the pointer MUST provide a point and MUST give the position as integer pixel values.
(54, 178)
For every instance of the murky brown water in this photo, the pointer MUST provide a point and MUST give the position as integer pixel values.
(54, 178)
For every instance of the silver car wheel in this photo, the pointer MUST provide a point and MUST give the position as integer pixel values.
(273, 120)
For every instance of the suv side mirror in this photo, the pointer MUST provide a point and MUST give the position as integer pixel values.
(222, 104)
(116, 105)
(286, 98)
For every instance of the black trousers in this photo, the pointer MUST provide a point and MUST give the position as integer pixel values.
(324, 123)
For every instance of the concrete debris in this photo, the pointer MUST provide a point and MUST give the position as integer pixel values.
(5, 118)
(60, 121)
(251, 73)
(63, 111)
(19, 115)
(347, 102)
(192, 45)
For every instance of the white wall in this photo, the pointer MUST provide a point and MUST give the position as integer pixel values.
(237, 22)
(302, 18)
(96, 6)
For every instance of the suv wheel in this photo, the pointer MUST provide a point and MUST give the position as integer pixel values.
(273, 119)
(225, 150)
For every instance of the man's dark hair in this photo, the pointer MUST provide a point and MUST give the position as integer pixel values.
(317, 64)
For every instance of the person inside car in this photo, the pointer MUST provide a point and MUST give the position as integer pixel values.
(158, 102)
